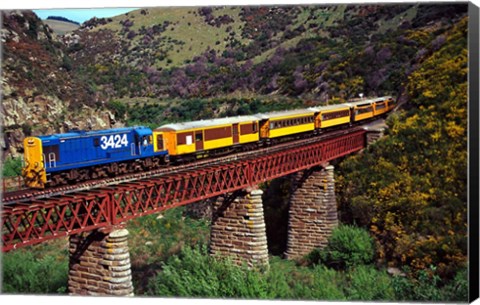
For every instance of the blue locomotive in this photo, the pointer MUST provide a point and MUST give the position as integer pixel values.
(80, 155)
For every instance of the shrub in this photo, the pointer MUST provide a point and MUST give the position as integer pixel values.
(367, 283)
(131, 34)
(66, 63)
(23, 273)
(196, 274)
(428, 286)
(348, 246)
(325, 284)
(457, 289)
(12, 167)
(118, 108)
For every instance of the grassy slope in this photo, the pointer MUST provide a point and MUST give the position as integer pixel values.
(187, 26)
(197, 36)
(408, 15)
(60, 27)
(324, 18)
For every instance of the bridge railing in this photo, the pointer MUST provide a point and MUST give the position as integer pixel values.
(30, 223)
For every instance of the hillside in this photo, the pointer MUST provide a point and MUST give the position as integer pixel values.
(313, 52)
(60, 27)
(410, 189)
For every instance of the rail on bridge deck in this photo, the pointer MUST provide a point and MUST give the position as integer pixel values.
(39, 220)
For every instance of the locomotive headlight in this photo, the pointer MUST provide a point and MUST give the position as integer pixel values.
(30, 142)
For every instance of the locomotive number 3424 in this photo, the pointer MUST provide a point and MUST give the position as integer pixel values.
(114, 141)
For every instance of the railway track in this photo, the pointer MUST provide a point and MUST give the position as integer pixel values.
(26, 195)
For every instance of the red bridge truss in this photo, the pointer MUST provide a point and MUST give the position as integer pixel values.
(48, 218)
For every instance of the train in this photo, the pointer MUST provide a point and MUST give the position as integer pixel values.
(67, 158)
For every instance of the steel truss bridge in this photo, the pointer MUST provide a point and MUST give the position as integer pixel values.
(37, 220)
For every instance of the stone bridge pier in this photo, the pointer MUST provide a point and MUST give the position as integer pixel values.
(238, 225)
(312, 212)
(238, 228)
(100, 264)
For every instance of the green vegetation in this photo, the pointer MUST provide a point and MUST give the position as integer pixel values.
(409, 189)
(347, 247)
(169, 259)
(43, 271)
(426, 287)
(155, 238)
(193, 273)
(12, 167)
(157, 113)
(368, 283)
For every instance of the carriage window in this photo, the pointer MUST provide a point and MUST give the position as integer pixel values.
(254, 127)
(159, 142)
(198, 137)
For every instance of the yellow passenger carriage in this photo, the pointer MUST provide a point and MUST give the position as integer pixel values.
(285, 123)
(390, 103)
(362, 110)
(208, 137)
(380, 106)
(330, 116)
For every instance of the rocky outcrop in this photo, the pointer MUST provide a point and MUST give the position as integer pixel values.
(40, 115)
(40, 95)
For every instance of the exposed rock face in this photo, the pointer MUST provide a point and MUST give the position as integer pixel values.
(39, 94)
